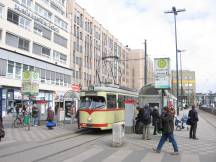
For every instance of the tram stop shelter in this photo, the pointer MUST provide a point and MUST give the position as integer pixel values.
(153, 97)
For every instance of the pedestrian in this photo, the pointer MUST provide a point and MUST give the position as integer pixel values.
(138, 125)
(193, 118)
(167, 119)
(73, 113)
(35, 114)
(78, 118)
(2, 132)
(50, 118)
(17, 110)
(145, 122)
(155, 119)
(184, 118)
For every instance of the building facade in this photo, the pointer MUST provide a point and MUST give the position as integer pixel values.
(34, 36)
(96, 55)
(63, 43)
(137, 68)
(187, 90)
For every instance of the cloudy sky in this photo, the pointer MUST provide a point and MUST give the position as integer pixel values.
(132, 21)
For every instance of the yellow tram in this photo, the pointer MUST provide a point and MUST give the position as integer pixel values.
(101, 106)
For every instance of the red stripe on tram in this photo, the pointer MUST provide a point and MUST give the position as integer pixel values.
(90, 111)
(93, 125)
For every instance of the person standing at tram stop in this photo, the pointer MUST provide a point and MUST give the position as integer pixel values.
(167, 119)
(155, 119)
(73, 113)
(35, 115)
(193, 118)
(146, 121)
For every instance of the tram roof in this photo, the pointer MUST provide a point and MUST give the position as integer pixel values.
(111, 88)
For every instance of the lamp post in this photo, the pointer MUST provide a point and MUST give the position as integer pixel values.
(180, 52)
(145, 66)
(175, 12)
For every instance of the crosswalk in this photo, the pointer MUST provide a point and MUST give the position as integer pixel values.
(122, 154)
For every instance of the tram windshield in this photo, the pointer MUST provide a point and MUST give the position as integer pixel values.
(92, 102)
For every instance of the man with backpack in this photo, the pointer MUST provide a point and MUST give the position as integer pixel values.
(146, 121)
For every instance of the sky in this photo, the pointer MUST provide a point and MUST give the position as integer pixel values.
(133, 21)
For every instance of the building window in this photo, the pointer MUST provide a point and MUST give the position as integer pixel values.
(27, 3)
(13, 17)
(60, 23)
(1, 11)
(19, 20)
(17, 42)
(59, 57)
(43, 12)
(18, 68)
(60, 40)
(10, 69)
(3, 67)
(53, 81)
(57, 8)
(57, 79)
(42, 31)
(41, 50)
(43, 75)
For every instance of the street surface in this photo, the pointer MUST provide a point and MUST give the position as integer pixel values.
(68, 144)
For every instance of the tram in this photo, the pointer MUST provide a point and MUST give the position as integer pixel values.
(101, 106)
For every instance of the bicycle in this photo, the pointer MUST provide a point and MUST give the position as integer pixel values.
(18, 122)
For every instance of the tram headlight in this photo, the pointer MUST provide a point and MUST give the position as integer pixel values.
(89, 119)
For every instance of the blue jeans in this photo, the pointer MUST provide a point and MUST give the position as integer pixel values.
(163, 139)
(35, 121)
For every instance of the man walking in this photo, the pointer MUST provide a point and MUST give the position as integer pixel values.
(145, 122)
(167, 119)
(193, 117)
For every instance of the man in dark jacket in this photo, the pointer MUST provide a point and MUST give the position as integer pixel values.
(146, 121)
(167, 119)
(193, 117)
(155, 119)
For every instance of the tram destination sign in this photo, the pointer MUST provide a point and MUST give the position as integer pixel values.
(162, 73)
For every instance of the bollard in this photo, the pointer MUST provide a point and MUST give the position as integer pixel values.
(118, 132)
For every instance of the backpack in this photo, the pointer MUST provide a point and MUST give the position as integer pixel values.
(146, 116)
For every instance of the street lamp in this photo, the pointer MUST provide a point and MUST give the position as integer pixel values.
(175, 12)
(180, 51)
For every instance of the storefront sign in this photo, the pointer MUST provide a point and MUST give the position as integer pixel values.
(75, 87)
(32, 14)
(162, 73)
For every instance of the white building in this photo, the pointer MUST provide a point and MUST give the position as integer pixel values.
(34, 35)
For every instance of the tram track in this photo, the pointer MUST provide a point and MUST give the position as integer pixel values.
(46, 144)
(67, 149)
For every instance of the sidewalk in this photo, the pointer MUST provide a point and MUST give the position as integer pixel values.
(35, 134)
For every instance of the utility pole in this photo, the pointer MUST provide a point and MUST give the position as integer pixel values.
(145, 63)
(175, 12)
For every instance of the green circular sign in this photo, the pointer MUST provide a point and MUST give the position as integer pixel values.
(162, 63)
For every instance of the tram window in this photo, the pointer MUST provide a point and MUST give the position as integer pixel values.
(92, 102)
(111, 101)
(121, 101)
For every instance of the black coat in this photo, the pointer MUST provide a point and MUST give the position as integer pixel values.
(167, 120)
(155, 116)
(193, 116)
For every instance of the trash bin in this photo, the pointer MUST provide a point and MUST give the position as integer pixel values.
(118, 132)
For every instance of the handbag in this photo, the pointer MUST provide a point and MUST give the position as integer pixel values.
(2, 133)
(188, 122)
